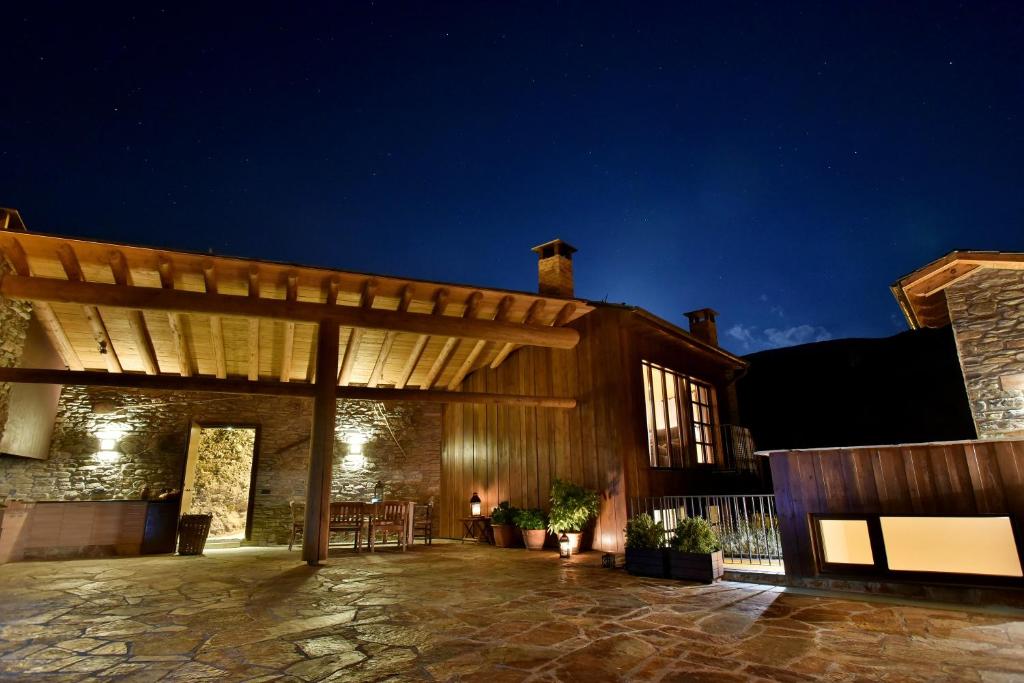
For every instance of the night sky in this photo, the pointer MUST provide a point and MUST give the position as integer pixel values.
(781, 164)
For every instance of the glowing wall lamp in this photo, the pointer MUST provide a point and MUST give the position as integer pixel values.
(108, 440)
(354, 458)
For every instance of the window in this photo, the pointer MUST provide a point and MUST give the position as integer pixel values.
(958, 545)
(680, 418)
(845, 541)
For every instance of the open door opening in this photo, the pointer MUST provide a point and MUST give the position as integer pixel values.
(219, 475)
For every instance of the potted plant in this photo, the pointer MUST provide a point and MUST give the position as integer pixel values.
(534, 528)
(502, 523)
(572, 507)
(645, 547)
(696, 553)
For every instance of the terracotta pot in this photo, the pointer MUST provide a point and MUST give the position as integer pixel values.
(505, 535)
(534, 538)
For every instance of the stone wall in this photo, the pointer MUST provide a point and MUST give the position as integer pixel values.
(152, 437)
(987, 312)
(14, 317)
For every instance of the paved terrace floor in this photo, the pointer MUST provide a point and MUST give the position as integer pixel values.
(455, 612)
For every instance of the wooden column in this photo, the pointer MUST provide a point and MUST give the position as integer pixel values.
(321, 450)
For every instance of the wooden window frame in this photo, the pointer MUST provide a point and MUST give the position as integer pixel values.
(683, 454)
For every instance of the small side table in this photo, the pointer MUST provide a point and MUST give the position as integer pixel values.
(477, 529)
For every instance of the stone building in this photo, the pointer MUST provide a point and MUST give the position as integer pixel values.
(981, 294)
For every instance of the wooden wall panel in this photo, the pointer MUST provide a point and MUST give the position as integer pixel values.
(960, 478)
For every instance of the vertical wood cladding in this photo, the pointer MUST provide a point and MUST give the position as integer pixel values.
(513, 453)
(958, 478)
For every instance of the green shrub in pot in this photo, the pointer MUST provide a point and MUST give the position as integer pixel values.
(503, 524)
(645, 547)
(696, 553)
(572, 508)
(533, 526)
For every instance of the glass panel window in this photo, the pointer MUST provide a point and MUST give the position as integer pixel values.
(846, 541)
(678, 407)
(958, 545)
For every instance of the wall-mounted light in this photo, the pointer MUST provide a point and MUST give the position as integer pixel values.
(354, 458)
(108, 439)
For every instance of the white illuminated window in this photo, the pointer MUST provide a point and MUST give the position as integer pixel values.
(957, 545)
(845, 541)
(681, 418)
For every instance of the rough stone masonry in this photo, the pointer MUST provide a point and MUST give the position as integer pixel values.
(987, 312)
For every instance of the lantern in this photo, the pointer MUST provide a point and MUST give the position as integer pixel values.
(378, 492)
(564, 547)
(474, 505)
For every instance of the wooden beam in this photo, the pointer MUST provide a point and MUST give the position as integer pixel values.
(73, 270)
(292, 294)
(44, 312)
(355, 335)
(216, 323)
(389, 340)
(136, 320)
(254, 326)
(130, 380)
(472, 305)
(151, 298)
(175, 320)
(530, 318)
(501, 315)
(331, 287)
(440, 304)
(133, 380)
(316, 533)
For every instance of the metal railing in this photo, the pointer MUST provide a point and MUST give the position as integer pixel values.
(748, 526)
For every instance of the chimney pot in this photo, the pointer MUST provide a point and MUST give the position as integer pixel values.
(554, 268)
(703, 326)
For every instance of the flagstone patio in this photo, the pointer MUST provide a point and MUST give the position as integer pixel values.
(454, 612)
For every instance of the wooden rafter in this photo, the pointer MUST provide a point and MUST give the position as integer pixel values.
(136, 320)
(440, 305)
(44, 312)
(216, 323)
(175, 320)
(355, 335)
(504, 306)
(389, 340)
(130, 380)
(73, 270)
(291, 294)
(472, 306)
(530, 318)
(254, 326)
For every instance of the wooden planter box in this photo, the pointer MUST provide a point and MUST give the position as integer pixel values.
(703, 567)
(647, 562)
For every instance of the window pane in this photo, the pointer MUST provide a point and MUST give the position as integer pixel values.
(672, 406)
(652, 447)
(846, 541)
(958, 545)
(660, 420)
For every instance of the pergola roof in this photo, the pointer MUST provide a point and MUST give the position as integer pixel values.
(127, 309)
(922, 294)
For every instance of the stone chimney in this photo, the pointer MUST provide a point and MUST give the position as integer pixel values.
(702, 325)
(554, 268)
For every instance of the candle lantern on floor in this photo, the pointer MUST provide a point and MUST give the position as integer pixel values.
(474, 505)
(378, 492)
(564, 547)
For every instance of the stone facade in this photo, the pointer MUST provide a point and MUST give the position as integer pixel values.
(152, 427)
(14, 317)
(987, 312)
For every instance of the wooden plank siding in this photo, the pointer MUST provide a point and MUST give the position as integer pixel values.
(957, 478)
(514, 453)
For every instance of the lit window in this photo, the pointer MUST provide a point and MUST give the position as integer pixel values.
(958, 545)
(845, 541)
(671, 418)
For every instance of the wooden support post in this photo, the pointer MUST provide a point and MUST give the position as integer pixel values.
(315, 534)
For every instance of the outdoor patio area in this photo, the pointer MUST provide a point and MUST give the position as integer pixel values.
(452, 612)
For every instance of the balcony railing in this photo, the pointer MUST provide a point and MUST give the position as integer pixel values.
(748, 526)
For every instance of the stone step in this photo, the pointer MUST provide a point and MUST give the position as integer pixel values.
(225, 543)
(754, 576)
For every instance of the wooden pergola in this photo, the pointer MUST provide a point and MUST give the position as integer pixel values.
(922, 294)
(136, 317)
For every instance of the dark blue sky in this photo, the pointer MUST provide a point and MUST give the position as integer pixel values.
(780, 163)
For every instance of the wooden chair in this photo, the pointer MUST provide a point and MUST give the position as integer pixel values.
(349, 516)
(423, 523)
(298, 521)
(389, 516)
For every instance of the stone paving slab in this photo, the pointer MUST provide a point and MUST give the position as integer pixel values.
(464, 612)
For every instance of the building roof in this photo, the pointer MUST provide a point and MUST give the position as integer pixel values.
(922, 294)
(128, 309)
